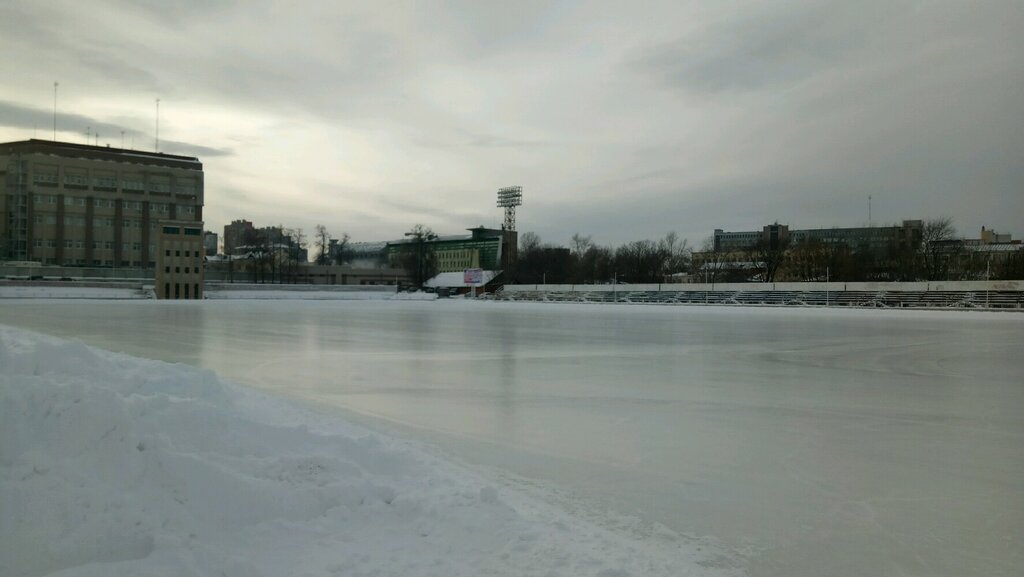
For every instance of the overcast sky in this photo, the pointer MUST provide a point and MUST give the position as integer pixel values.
(622, 120)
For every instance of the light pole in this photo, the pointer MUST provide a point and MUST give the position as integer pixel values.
(826, 286)
(988, 277)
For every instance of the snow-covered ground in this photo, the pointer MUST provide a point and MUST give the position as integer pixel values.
(114, 465)
(814, 442)
(312, 295)
(70, 292)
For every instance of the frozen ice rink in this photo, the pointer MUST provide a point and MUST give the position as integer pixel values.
(811, 442)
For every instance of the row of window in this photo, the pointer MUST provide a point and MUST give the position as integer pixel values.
(110, 183)
(96, 262)
(97, 244)
(136, 205)
(97, 221)
(177, 269)
(182, 291)
(187, 253)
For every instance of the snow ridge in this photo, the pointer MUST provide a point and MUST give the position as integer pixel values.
(113, 465)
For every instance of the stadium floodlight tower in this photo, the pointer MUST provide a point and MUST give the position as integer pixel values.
(509, 198)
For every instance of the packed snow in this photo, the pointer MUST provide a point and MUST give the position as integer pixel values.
(70, 292)
(810, 441)
(115, 465)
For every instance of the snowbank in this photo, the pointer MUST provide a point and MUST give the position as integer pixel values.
(112, 465)
(71, 292)
(327, 295)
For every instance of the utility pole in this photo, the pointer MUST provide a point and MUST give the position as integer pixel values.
(55, 85)
(157, 145)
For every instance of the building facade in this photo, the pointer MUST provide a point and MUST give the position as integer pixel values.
(91, 206)
(179, 260)
(483, 248)
(906, 235)
(210, 243)
(235, 235)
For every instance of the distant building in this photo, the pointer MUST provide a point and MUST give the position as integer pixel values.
(179, 270)
(210, 243)
(359, 254)
(91, 206)
(235, 235)
(484, 248)
(906, 235)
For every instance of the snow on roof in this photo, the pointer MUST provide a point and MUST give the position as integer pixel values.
(455, 279)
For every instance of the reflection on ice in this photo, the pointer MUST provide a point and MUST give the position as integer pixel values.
(821, 442)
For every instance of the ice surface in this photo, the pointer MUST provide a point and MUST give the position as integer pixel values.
(839, 442)
(111, 465)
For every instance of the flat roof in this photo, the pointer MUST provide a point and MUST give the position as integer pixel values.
(73, 150)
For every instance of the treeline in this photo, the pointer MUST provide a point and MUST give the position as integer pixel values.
(642, 261)
(938, 255)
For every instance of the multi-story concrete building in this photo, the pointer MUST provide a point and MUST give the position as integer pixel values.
(235, 235)
(906, 235)
(484, 248)
(91, 206)
(179, 260)
(210, 243)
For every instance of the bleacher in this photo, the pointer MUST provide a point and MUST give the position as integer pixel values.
(938, 299)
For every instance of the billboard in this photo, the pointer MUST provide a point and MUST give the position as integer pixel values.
(473, 276)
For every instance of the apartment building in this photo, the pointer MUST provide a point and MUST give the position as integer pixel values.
(92, 206)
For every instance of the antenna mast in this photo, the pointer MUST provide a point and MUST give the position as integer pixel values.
(55, 85)
(157, 145)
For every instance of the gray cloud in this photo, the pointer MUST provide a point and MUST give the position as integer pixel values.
(18, 116)
(620, 121)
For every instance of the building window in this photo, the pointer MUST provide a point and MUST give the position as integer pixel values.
(167, 269)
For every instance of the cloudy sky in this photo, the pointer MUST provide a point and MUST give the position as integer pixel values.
(623, 120)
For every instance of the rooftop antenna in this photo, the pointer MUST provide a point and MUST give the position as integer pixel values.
(55, 85)
(509, 198)
(157, 125)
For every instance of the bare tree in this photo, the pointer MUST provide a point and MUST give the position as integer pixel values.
(322, 241)
(939, 247)
(640, 261)
(296, 246)
(580, 244)
(710, 265)
(417, 256)
(677, 253)
(339, 249)
(768, 257)
(528, 241)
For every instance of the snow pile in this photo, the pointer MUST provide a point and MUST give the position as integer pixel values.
(326, 295)
(70, 292)
(112, 465)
